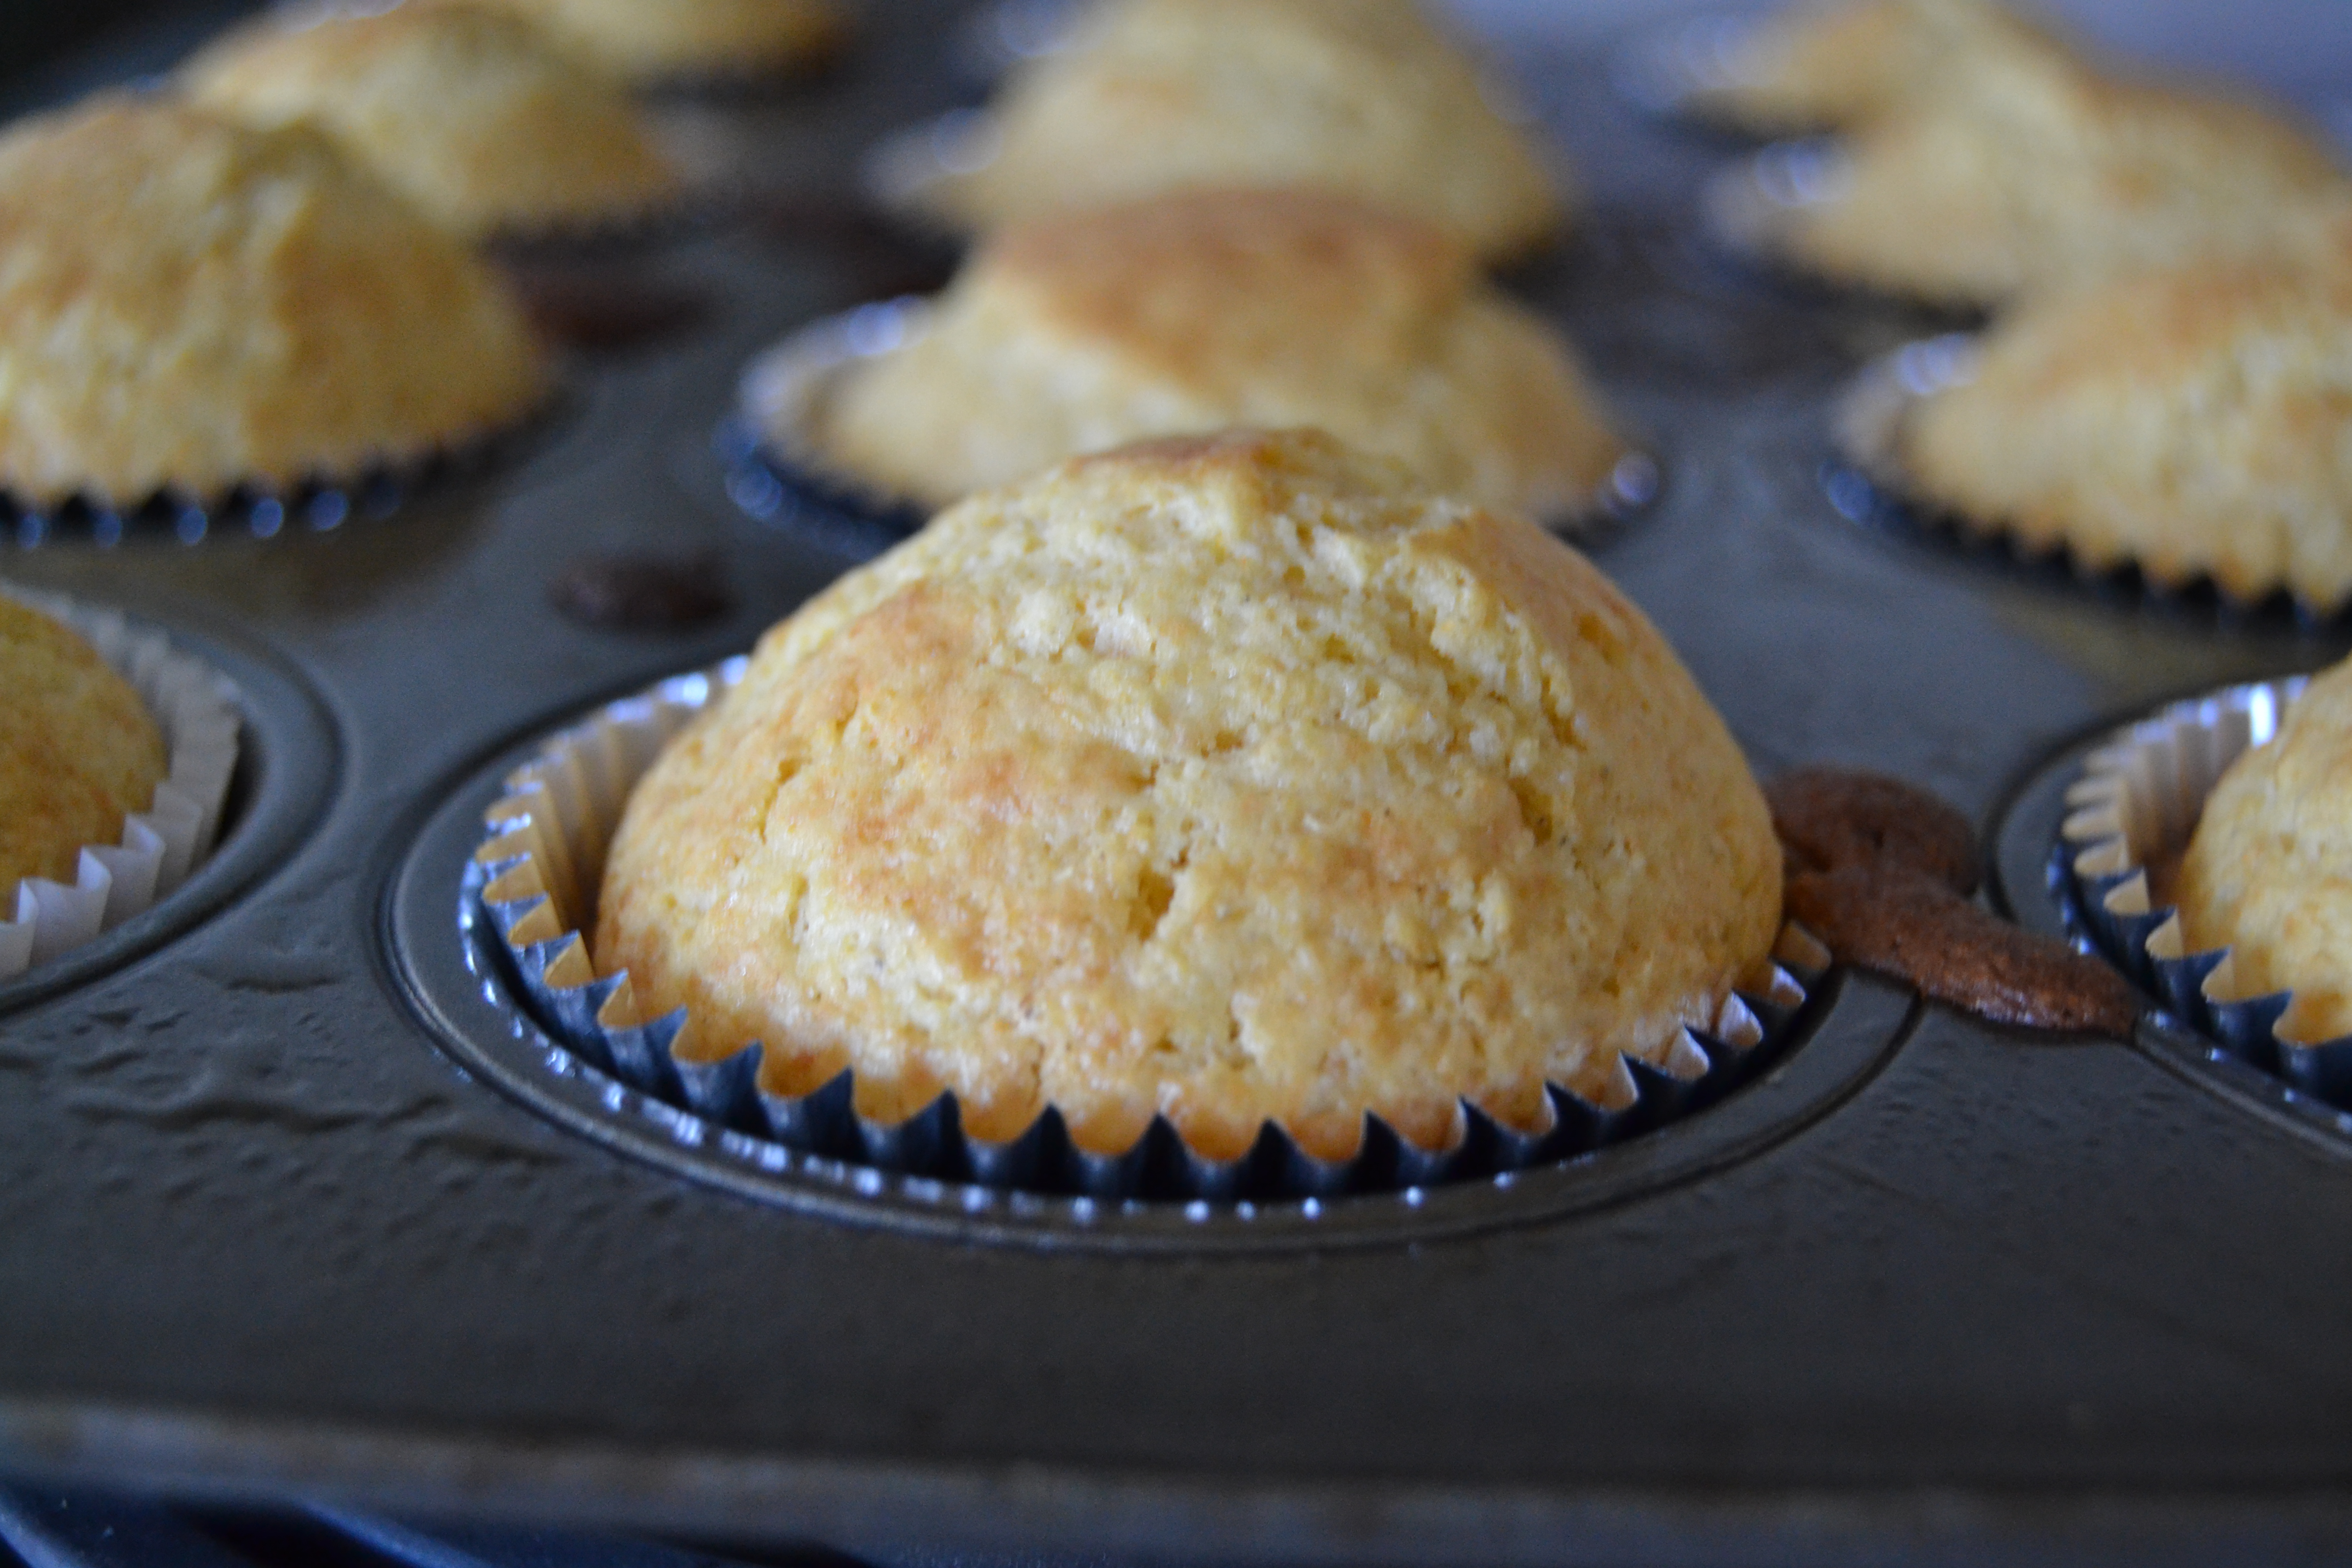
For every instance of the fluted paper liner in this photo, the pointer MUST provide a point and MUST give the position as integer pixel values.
(530, 892)
(195, 707)
(779, 457)
(2137, 807)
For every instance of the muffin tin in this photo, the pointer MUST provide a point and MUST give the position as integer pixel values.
(284, 1219)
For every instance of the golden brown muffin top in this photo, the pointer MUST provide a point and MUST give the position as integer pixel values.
(1196, 310)
(1234, 778)
(478, 117)
(190, 304)
(1839, 65)
(2269, 873)
(2186, 420)
(78, 751)
(664, 40)
(1358, 96)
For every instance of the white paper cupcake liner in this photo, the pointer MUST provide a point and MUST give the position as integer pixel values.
(2136, 806)
(161, 847)
(529, 892)
(1868, 483)
(779, 467)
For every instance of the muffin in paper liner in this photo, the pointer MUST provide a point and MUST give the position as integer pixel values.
(2129, 819)
(1866, 482)
(779, 463)
(529, 892)
(195, 706)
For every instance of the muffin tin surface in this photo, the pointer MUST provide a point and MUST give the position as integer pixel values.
(1965, 1292)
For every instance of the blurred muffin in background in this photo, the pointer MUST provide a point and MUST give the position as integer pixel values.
(1363, 97)
(189, 305)
(1190, 312)
(1836, 65)
(481, 119)
(2025, 174)
(2194, 422)
(655, 42)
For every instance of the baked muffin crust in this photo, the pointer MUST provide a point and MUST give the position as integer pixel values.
(478, 117)
(1232, 777)
(2033, 174)
(652, 41)
(2269, 872)
(2193, 421)
(1191, 312)
(78, 751)
(1841, 65)
(187, 305)
(1361, 97)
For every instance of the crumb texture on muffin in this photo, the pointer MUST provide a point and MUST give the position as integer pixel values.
(2269, 872)
(478, 117)
(78, 751)
(188, 305)
(672, 40)
(1841, 65)
(1358, 96)
(1228, 777)
(2030, 174)
(2189, 421)
(1189, 313)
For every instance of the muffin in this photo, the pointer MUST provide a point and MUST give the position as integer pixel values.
(1230, 778)
(2031, 175)
(2194, 422)
(78, 751)
(668, 40)
(2269, 873)
(478, 117)
(1838, 65)
(1361, 97)
(1190, 312)
(188, 305)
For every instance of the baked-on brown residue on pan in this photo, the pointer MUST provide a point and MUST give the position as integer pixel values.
(1882, 872)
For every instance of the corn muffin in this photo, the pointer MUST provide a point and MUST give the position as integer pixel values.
(189, 305)
(1190, 312)
(1234, 778)
(1362, 97)
(2269, 873)
(2027, 176)
(78, 751)
(2197, 422)
(655, 41)
(1841, 65)
(478, 117)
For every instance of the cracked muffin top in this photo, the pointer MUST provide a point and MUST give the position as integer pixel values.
(1234, 778)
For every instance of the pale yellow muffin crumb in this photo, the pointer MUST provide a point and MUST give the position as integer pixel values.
(2027, 175)
(188, 305)
(1362, 97)
(2196, 422)
(2269, 873)
(78, 751)
(1234, 778)
(654, 41)
(1839, 65)
(478, 117)
(1188, 313)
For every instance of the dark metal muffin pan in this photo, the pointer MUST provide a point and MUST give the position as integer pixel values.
(270, 1228)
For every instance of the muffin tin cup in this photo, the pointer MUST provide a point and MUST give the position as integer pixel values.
(530, 883)
(778, 467)
(2135, 808)
(1868, 483)
(195, 707)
